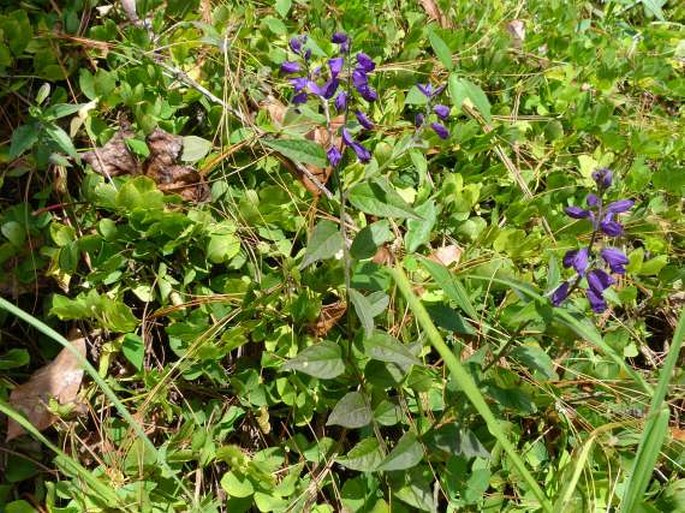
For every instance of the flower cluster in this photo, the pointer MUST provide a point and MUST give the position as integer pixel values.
(336, 85)
(604, 219)
(440, 111)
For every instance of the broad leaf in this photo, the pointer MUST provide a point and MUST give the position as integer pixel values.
(23, 138)
(450, 285)
(378, 197)
(352, 412)
(325, 242)
(323, 361)
(363, 309)
(406, 454)
(419, 230)
(368, 240)
(463, 90)
(299, 150)
(441, 50)
(385, 348)
(195, 148)
(363, 457)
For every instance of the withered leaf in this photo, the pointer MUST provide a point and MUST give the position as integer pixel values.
(446, 255)
(329, 317)
(60, 379)
(433, 11)
(114, 158)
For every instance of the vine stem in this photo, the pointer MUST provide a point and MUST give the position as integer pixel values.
(466, 383)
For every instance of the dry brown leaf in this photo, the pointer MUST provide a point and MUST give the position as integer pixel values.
(434, 13)
(383, 256)
(114, 158)
(517, 30)
(60, 379)
(447, 255)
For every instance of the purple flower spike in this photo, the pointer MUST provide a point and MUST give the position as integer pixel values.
(347, 137)
(419, 119)
(620, 206)
(363, 154)
(359, 79)
(365, 63)
(593, 200)
(603, 177)
(336, 65)
(367, 93)
(340, 101)
(596, 301)
(426, 89)
(290, 67)
(611, 227)
(339, 38)
(599, 280)
(440, 129)
(443, 111)
(300, 98)
(577, 212)
(615, 259)
(334, 156)
(578, 259)
(560, 294)
(364, 120)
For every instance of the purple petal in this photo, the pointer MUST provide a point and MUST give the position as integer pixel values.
(339, 38)
(340, 101)
(578, 259)
(599, 280)
(615, 259)
(307, 54)
(560, 294)
(620, 206)
(299, 83)
(364, 120)
(359, 78)
(443, 111)
(367, 93)
(315, 88)
(330, 88)
(299, 98)
(336, 65)
(577, 212)
(568, 257)
(603, 177)
(593, 200)
(596, 301)
(365, 63)
(611, 227)
(440, 129)
(419, 119)
(334, 156)
(362, 153)
(347, 137)
(296, 43)
(426, 89)
(290, 67)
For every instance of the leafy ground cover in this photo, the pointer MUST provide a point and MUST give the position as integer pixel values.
(354, 256)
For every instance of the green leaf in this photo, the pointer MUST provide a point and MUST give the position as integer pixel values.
(43, 93)
(283, 7)
(406, 454)
(237, 485)
(14, 358)
(222, 245)
(351, 412)
(61, 110)
(654, 7)
(363, 457)
(14, 232)
(385, 348)
(463, 90)
(535, 358)
(299, 150)
(325, 242)
(138, 147)
(133, 349)
(62, 139)
(23, 139)
(378, 197)
(441, 49)
(419, 230)
(448, 319)
(451, 286)
(368, 240)
(20, 506)
(195, 148)
(323, 361)
(363, 309)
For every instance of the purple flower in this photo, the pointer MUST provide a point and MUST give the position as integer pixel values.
(560, 294)
(443, 111)
(363, 154)
(340, 101)
(596, 300)
(593, 200)
(334, 156)
(340, 38)
(419, 119)
(611, 227)
(577, 212)
(617, 207)
(602, 177)
(299, 83)
(440, 129)
(426, 89)
(326, 90)
(359, 79)
(300, 98)
(336, 65)
(615, 259)
(365, 63)
(347, 137)
(307, 54)
(578, 259)
(367, 93)
(364, 120)
(290, 67)
(296, 43)
(599, 280)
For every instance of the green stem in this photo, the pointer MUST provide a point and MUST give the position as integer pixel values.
(466, 382)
